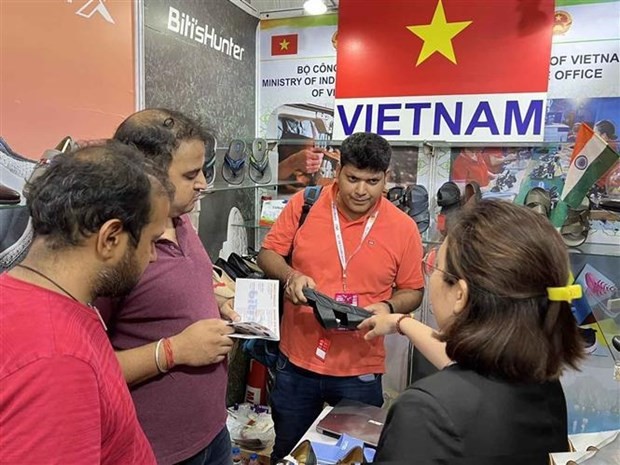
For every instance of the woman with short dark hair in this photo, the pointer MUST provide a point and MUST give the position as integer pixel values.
(499, 294)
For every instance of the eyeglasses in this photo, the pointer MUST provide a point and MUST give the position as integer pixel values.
(428, 264)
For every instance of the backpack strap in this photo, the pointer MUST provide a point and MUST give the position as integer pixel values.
(311, 195)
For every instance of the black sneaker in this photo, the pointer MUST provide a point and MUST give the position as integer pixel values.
(589, 337)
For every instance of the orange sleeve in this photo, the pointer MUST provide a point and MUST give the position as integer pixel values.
(281, 235)
(409, 275)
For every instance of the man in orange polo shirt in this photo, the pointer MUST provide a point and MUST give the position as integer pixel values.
(354, 246)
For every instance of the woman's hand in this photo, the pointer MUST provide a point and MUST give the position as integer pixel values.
(379, 325)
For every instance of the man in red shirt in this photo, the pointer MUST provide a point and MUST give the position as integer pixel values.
(356, 247)
(96, 214)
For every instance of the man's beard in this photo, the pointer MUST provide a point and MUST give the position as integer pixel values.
(119, 280)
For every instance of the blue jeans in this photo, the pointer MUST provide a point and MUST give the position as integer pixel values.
(216, 453)
(298, 397)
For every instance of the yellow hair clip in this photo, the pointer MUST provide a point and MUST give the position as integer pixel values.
(565, 293)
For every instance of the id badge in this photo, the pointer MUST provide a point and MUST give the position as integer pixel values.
(322, 348)
(346, 298)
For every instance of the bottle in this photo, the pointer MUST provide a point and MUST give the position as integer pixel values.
(236, 456)
(253, 460)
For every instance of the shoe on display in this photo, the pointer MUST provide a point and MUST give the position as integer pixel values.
(251, 263)
(223, 285)
(229, 270)
(259, 169)
(396, 196)
(16, 230)
(413, 200)
(538, 200)
(473, 194)
(16, 234)
(449, 199)
(589, 338)
(303, 454)
(575, 229)
(416, 200)
(354, 456)
(609, 204)
(233, 169)
(15, 164)
(9, 196)
(243, 269)
(208, 169)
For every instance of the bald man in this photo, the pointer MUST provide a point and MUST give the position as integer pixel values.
(170, 337)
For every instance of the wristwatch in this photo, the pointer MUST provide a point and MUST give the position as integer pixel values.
(389, 304)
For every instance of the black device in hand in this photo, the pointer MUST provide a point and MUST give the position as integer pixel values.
(332, 314)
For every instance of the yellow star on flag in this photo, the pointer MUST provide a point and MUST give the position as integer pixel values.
(438, 35)
(284, 44)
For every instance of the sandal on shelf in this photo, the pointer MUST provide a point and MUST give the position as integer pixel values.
(577, 225)
(332, 314)
(611, 204)
(223, 285)
(354, 456)
(413, 200)
(539, 200)
(259, 169)
(234, 162)
(448, 195)
(229, 270)
(449, 199)
(245, 270)
(251, 263)
(9, 196)
(416, 200)
(303, 454)
(396, 195)
(473, 194)
(208, 169)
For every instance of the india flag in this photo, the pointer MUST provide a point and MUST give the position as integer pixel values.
(591, 159)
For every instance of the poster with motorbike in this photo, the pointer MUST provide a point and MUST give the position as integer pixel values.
(584, 87)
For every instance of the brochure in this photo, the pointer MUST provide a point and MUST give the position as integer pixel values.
(257, 302)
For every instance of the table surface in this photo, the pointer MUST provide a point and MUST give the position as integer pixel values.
(578, 440)
(313, 435)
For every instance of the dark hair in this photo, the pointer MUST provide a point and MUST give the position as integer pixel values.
(509, 256)
(366, 151)
(606, 127)
(81, 190)
(158, 132)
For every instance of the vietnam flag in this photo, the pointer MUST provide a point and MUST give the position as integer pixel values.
(285, 44)
(396, 48)
(448, 70)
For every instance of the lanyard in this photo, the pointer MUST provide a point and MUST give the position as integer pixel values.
(340, 243)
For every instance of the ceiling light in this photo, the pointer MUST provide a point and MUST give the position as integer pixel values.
(315, 7)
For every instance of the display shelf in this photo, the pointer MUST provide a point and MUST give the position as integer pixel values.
(414, 142)
(252, 225)
(609, 250)
(219, 187)
(10, 207)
